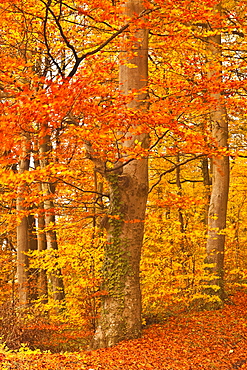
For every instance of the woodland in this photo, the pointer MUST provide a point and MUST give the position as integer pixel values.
(122, 184)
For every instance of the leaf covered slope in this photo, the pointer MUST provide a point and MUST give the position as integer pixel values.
(187, 341)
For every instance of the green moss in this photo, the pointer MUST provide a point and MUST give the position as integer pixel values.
(116, 258)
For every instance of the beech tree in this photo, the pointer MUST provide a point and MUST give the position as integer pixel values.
(23, 236)
(48, 189)
(81, 111)
(120, 315)
(220, 170)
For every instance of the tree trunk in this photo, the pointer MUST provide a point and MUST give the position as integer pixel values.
(180, 213)
(42, 245)
(207, 182)
(23, 228)
(120, 317)
(220, 175)
(42, 283)
(51, 237)
(32, 246)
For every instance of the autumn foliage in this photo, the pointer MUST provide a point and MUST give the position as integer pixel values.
(80, 123)
(188, 341)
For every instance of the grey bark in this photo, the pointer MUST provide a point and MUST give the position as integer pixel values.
(23, 228)
(220, 178)
(207, 182)
(51, 237)
(42, 245)
(32, 246)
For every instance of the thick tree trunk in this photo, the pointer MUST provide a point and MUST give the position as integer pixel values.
(120, 317)
(51, 237)
(23, 229)
(220, 176)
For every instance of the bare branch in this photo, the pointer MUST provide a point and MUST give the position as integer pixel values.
(173, 169)
(46, 39)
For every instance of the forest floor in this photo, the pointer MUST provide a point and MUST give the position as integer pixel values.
(188, 341)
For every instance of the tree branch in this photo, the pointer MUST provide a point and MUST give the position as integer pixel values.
(173, 169)
(112, 37)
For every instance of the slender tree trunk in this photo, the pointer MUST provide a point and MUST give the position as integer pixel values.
(42, 283)
(180, 213)
(23, 228)
(120, 317)
(32, 246)
(207, 182)
(42, 245)
(51, 237)
(220, 174)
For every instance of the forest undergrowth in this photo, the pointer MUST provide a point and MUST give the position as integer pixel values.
(187, 341)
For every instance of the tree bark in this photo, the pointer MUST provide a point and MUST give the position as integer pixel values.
(180, 213)
(42, 283)
(23, 228)
(42, 245)
(220, 175)
(207, 182)
(120, 317)
(32, 246)
(51, 237)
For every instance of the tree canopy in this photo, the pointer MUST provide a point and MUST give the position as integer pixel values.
(121, 123)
